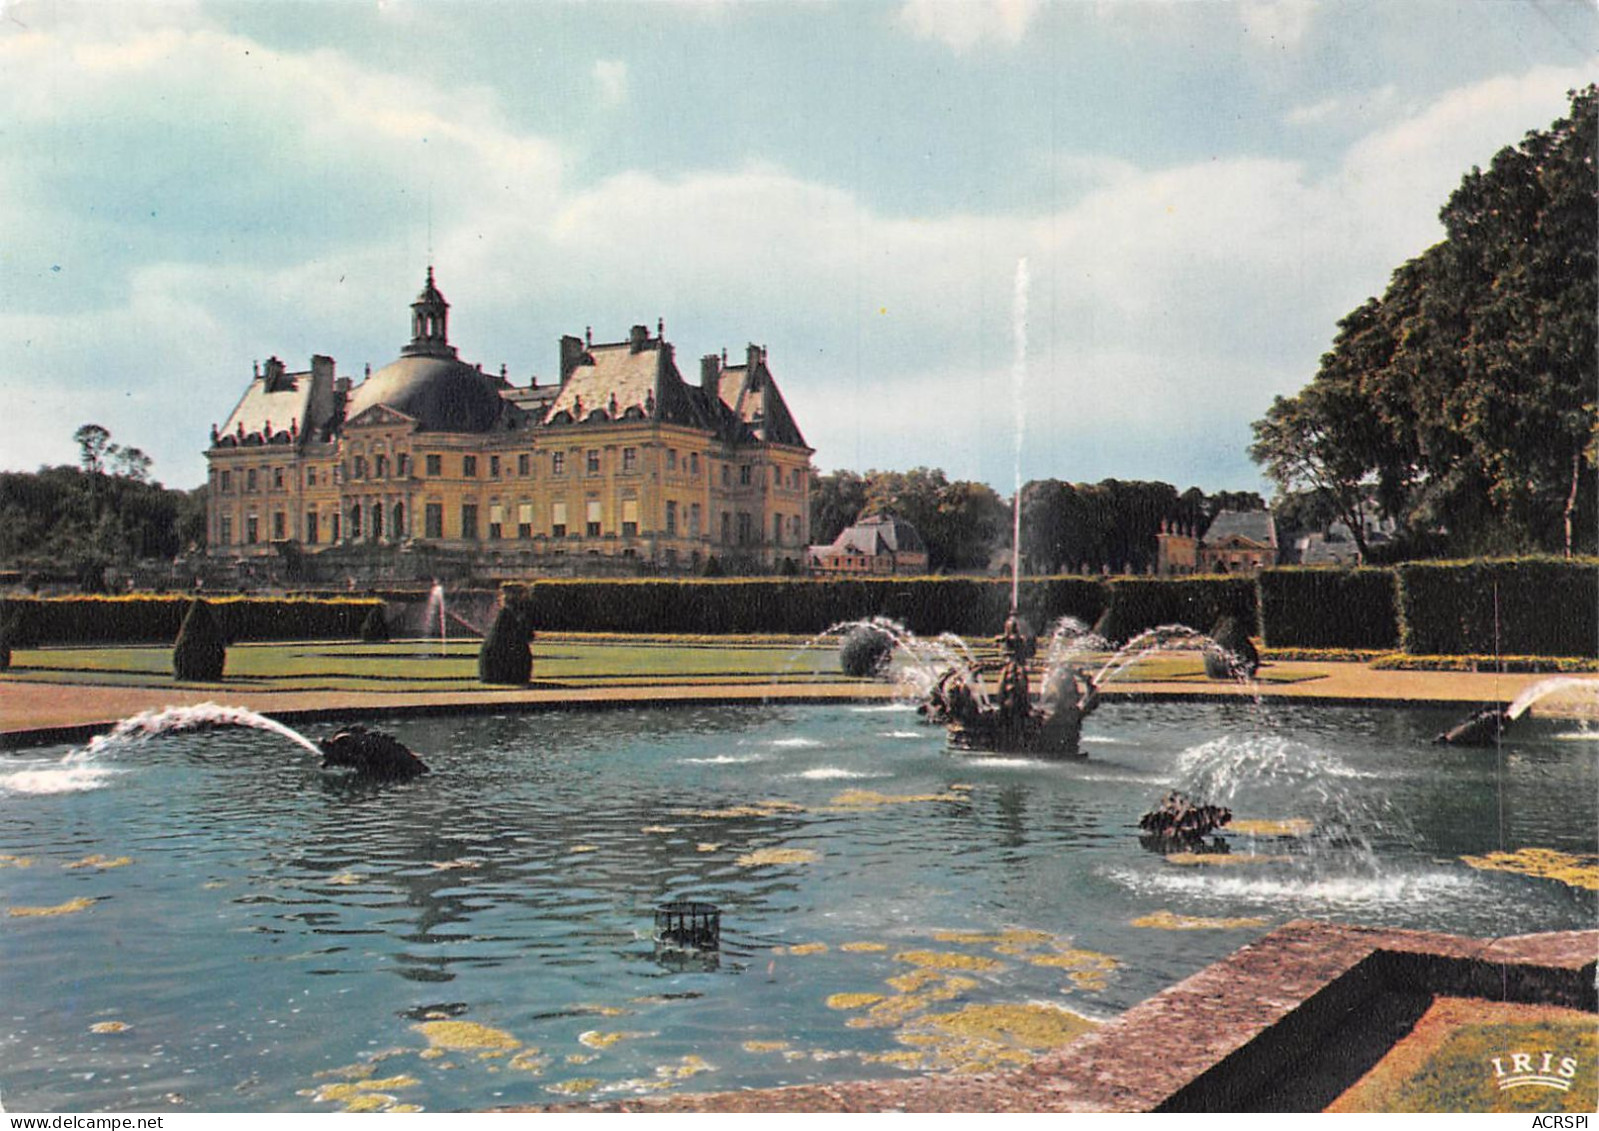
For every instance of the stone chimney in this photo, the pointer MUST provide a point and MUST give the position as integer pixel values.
(572, 354)
(638, 337)
(711, 375)
(273, 374)
(754, 356)
(322, 368)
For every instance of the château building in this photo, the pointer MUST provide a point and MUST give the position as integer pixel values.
(1235, 542)
(876, 544)
(621, 464)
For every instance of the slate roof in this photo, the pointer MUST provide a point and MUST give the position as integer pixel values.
(758, 405)
(876, 535)
(440, 393)
(278, 405)
(1253, 526)
(618, 381)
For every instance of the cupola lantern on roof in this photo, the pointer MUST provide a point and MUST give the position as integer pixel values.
(430, 316)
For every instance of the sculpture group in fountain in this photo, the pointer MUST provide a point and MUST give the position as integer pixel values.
(1009, 722)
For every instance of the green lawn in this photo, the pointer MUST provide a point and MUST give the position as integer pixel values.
(559, 660)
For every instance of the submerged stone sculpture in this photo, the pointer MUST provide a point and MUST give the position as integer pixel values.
(371, 754)
(1485, 728)
(1180, 817)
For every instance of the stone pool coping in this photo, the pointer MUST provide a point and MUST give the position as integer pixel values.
(1221, 1038)
(40, 712)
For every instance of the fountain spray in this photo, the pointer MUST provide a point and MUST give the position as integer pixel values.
(1018, 390)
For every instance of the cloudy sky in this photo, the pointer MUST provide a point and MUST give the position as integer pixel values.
(1199, 191)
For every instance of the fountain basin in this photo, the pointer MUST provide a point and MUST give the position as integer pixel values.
(513, 890)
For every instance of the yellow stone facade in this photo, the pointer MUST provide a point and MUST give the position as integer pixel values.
(621, 464)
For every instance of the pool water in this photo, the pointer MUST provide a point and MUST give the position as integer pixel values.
(209, 922)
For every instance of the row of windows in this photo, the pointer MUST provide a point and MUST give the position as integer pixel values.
(358, 467)
(369, 522)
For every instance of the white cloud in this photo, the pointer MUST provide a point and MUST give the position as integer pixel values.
(1344, 107)
(1277, 23)
(610, 75)
(964, 24)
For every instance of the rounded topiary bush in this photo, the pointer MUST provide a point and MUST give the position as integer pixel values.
(1234, 653)
(201, 652)
(375, 628)
(866, 651)
(506, 656)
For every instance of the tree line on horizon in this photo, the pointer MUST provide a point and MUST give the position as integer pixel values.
(1462, 403)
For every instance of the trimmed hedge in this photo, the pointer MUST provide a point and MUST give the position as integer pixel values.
(505, 656)
(801, 606)
(200, 653)
(1141, 603)
(152, 619)
(1329, 608)
(1545, 607)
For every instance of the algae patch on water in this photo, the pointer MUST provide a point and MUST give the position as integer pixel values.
(764, 1046)
(99, 861)
(579, 1087)
(852, 1001)
(948, 960)
(863, 947)
(1222, 859)
(802, 948)
(465, 1036)
(1171, 921)
(765, 856)
(1578, 871)
(872, 799)
(1287, 826)
(9, 861)
(70, 907)
(110, 1027)
(595, 1039)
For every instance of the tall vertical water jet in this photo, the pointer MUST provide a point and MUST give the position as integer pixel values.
(436, 601)
(1018, 396)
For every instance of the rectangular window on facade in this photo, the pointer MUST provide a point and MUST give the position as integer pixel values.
(727, 475)
(743, 528)
(671, 459)
(524, 519)
(671, 518)
(630, 518)
(743, 475)
(249, 479)
(469, 466)
(494, 467)
(277, 479)
(468, 520)
(333, 534)
(402, 465)
(593, 461)
(727, 527)
(359, 470)
(694, 463)
(280, 526)
(496, 519)
(310, 477)
(310, 527)
(557, 463)
(694, 520)
(435, 465)
(225, 482)
(524, 464)
(592, 528)
(252, 531)
(226, 534)
(558, 520)
(629, 459)
(433, 520)
(777, 529)
(377, 520)
(380, 468)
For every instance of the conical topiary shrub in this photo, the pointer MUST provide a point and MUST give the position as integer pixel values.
(375, 629)
(1234, 653)
(866, 651)
(200, 652)
(506, 656)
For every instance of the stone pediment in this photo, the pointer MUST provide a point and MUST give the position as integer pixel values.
(380, 415)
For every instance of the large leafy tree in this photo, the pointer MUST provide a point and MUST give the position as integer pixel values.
(1464, 400)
